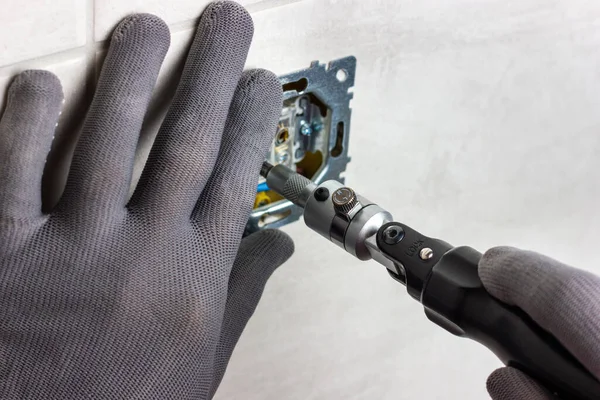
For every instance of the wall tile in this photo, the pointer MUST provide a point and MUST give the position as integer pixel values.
(488, 111)
(35, 28)
(109, 12)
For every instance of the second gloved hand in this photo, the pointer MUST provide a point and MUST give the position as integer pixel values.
(107, 300)
(563, 300)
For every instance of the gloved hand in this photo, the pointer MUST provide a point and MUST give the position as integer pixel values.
(103, 299)
(563, 300)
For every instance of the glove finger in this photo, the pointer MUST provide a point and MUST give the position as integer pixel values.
(259, 256)
(103, 160)
(249, 131)
(187, 144)
(26, 133)
(563, 300)
(511, 384)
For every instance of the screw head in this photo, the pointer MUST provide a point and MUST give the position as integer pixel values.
(321, 194)
(305, 128)
(393, 234)
(283, 157)
(426, 253)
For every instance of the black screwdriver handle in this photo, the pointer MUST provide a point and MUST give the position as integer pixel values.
(455, 299)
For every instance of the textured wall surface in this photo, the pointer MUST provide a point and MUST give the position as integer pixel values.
(474, 121)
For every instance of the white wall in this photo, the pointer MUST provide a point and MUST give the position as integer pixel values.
(474, 121)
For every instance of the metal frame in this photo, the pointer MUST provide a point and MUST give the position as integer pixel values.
(323, 82)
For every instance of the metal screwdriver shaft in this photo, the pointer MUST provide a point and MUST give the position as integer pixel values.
(291, 185)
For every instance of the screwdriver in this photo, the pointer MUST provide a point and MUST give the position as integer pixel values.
(441, 277)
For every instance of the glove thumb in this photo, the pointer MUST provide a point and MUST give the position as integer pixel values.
(511, 384)
(260, 254)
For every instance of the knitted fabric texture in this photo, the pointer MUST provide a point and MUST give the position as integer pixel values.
(104, 299)
(563, 300)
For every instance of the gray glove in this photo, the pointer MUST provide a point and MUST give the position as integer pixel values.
(103, 299)
(563, 300)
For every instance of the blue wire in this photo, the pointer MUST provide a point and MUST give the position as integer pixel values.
(262, 187)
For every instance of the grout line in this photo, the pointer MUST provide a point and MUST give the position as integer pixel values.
(42, 62)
